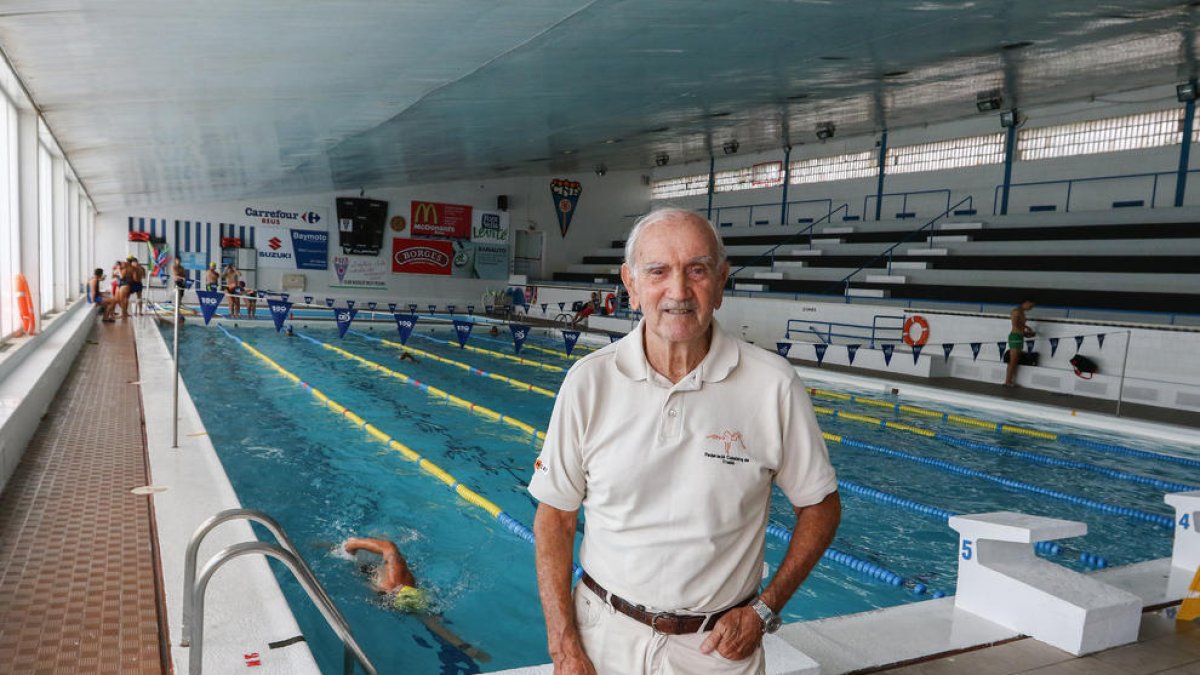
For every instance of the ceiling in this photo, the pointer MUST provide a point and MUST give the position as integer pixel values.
(172, 101)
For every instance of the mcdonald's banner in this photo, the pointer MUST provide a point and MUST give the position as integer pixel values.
(422, 256)
(434, 219)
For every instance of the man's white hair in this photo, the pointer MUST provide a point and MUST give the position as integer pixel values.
(667, 213)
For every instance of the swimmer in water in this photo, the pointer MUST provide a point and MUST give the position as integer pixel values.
(407, 356)
(395, 579)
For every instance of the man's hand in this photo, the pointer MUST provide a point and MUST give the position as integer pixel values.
(736, 635)
(572, 660)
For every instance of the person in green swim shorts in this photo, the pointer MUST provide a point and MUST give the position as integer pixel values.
(1016, 339)
(393, 578)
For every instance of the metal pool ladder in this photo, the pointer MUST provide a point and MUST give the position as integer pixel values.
(285, 552)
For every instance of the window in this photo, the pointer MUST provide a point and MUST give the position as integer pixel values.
(952, 154)
(840, 167)
(45, 231)
(1132, 132)
(683, 186)
(10, 240)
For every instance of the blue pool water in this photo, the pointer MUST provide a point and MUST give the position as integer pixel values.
(325, 480)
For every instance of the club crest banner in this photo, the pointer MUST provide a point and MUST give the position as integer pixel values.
(210, 301)
(565, 194)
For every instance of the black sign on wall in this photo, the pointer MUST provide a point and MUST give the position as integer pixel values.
(360, 225)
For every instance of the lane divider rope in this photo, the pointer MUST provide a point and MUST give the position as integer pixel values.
(489, 352)
(534, 434)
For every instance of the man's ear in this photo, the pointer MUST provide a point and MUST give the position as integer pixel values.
(630, 285)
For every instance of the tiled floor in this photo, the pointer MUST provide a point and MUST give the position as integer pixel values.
(78, 578)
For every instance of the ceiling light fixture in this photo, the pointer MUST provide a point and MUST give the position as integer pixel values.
(601, 169)
(662, 159)
(988, 100)
(825, 130)
(1010, 118)
(730, 147)
(1186, 92)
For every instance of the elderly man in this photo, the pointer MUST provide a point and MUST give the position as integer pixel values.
(671, 439)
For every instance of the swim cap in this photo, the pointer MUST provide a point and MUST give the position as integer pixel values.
(410, 599)
(212, 264)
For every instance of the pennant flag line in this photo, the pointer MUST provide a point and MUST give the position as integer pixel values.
(946, 349)
(279, 312)
(405, 323)
(783, 348)
(519, 333)
(1100, 339)
(344, 317)
(975, 347)
(1053, 346)
(209, 302)
(570, 337)
(916, 351)
(462, 331)
(887, 353)
(820, 350)
(851, 350)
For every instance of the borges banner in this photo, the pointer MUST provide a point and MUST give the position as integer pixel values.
(421, 256)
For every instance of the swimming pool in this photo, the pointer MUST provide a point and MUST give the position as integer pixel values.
(326, 479)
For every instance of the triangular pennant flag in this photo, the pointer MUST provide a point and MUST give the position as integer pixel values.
(947, 347)
(1053, 346)
(561, 305)
(405, 323)
(260, 294)
(851, 352)
(565, 194)
(432, 309)
(392, 307)
(1100, 339)
(887, 353)
(471, 310)
(412, 308)
(975, 347)
(372, 305)
(451, 308)
(1078, 342)
(210, 301)
(783, 348)
(192, 281)
(917, 352)
(349, 304)
(820, 350)
(279, 312)
(1029, 345)
(329, 302)
(487, 309)
(544, 305)
(1003, 347)
(308, 299)
(570, 337)
(613, 337)
(519, 333)
(344, 316)
(462, 331)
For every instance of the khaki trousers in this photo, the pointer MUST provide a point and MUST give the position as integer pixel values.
(618, 645)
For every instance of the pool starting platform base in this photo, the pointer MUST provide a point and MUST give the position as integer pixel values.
(1000, 579)
(1185, 553)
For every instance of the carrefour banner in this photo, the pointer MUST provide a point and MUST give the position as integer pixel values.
(433, 219)
(293, 249)
(366, 272)
(421, 256)
(490, 227)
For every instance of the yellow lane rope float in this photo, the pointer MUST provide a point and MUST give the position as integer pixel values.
(467, 494)
(526, 386)
(502, 355)
(433, 391)
(926, 412)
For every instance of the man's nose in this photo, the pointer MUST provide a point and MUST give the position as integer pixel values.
(678, 288)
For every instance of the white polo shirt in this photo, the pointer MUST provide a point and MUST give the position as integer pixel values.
(675, 479)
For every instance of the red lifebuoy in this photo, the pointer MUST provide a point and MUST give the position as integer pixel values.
(923, 337)
(25, 305)
(610, 304)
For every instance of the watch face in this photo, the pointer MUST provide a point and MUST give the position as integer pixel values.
(773, 624)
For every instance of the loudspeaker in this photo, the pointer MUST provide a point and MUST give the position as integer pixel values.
(502, 202)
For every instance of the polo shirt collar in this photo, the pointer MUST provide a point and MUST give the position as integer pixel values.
(721, 359)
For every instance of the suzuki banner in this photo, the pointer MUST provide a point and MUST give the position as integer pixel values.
(433, 219)
(293, 249)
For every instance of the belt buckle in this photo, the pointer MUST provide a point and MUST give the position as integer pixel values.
(654, 622)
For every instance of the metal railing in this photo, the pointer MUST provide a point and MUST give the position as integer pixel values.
(904, 199)
(875, 332)
(285, 552)
(889, 251)
(786, 207)
(1070, 183)
(793, 239)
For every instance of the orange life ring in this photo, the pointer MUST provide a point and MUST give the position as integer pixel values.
(25, 305)
(610, 304)
(916, 319)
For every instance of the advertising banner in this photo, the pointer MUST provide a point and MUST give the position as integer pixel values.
(566, 197)
(293, 249)
(474, 260)
(271, 216)
(490, 227)
(360, 272)
(433, 219)
(192, 260)
(421, 256)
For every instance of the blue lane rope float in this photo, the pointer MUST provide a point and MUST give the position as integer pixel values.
(524, 386)
(535, 435)
(1112, 509)
(1037, 458)
(1008, 428)
(510, 357)
(467, 494)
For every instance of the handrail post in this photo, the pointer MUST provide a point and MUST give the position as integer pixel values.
(1124, 361)
(1010, 146)
(175, 379)
(712, 182)
(783, 210)
(1185, 149)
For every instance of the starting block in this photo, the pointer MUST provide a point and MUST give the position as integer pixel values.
(1001, 580)
(1185, 554)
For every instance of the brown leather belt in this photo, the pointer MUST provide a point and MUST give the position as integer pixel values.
(661, 622)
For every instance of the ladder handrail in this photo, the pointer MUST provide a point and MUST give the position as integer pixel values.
(317, 592)
(794, 238)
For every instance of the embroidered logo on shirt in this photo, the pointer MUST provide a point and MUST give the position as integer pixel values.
(731, 441)
(540, 466)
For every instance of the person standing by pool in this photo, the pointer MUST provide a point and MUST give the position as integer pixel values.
(211, 278)
(671, 439)
(136, 278)
(394, 578)
(1016, 339)
(232, 277)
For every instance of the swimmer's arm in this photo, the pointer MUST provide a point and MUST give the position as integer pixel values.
(435, 626)
(354, 545)
(554, 537)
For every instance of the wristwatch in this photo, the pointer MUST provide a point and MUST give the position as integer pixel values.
(771, 620)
